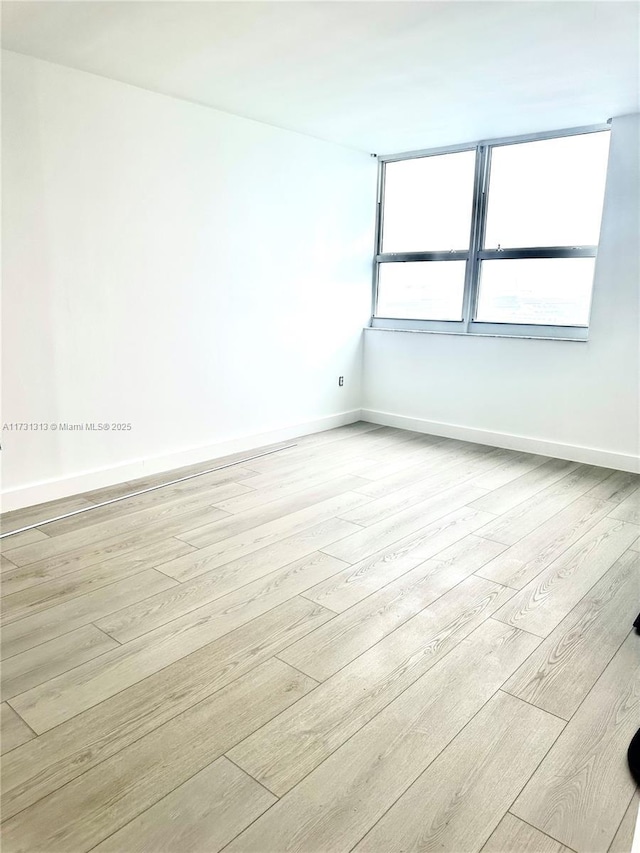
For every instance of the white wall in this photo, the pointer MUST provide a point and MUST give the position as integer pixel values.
(206, 278)
(570, 399)
(200, 275)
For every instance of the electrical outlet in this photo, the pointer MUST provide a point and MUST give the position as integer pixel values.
(341, 381)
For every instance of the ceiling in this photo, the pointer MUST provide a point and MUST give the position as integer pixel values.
(379, 76)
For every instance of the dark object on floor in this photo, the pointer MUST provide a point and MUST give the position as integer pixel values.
(633, 756)
(636, 624)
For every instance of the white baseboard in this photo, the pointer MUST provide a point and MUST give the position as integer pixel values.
(86, 481)
(575, 453)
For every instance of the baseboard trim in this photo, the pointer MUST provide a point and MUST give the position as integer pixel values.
(86, 481)
(49, 490)
(574, 453)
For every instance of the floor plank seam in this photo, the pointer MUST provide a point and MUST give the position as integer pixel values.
(363, 526)
(497, 541)
(35, 733)
(302, 672)
(614, 508)
(229, 513)
(532, 704)
(539, 830)
(102, 631)
(335, 612)
(246, 772)
(538, 636)
(637, 825)
(181, 543)
(168, 577)
(44, 532)
(244, 828)
(590, 690)
(346, 562)
(476, 573)
(43, 643)
(535, 770)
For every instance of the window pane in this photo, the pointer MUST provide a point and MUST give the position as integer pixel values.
(425, 290)
(547, 193)
(427, 203)
(543, 291)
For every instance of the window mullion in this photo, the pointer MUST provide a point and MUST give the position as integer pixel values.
(539, 252)
(378, 235)
(475, 239)
(403, 257)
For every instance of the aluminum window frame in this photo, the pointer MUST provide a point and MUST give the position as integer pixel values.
(475, 253)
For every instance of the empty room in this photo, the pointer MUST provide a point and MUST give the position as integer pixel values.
(320, 439)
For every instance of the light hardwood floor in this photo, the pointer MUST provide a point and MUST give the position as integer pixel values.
(374, 640)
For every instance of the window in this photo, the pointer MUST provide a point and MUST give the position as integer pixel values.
(498, 238)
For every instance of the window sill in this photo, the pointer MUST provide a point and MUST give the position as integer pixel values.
(529, 337)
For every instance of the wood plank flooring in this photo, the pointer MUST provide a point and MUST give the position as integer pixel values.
(373, 640)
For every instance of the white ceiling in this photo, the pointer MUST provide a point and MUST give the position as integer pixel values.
(379, 76)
